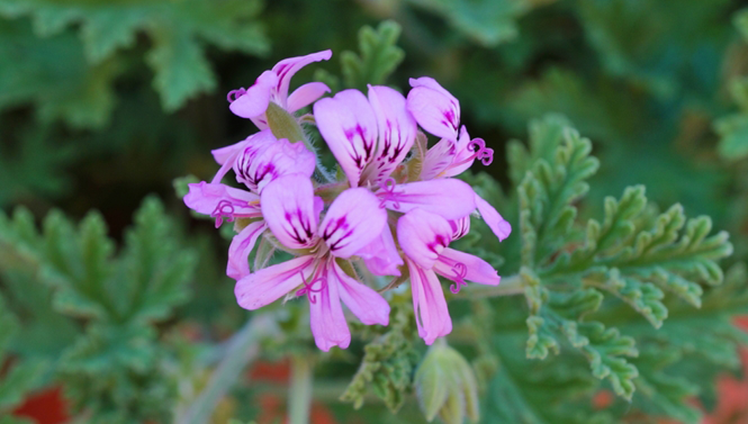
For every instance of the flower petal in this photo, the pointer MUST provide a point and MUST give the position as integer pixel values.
(437, 159)
(223, 154)
(446, 197)
(500, 227)
(434, 108)
(241, 246)
(347, 123)
(477, 270)
(460, 227)
(432, 316)
(329, 326)
(306, 95)
(254, 102)
(287, 68)
(288, 208)
(463, 158)
(397, 132)
(365, 303)
(263, 161)
(423, 236)
(267, 285)
(380, 256)
(219, 200)
(353, 220)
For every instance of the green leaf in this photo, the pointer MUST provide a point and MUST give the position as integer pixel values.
(20, 377)
(175, 31)
(485, 21)
(181, 68)
(114, 368)
(633, 254)
(52, 74)
(379, 56)
(387, 365)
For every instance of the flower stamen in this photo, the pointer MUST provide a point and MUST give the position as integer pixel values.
(224, 209)
(235, 94)
(481, 152)
(388, 193)
(309, 289)
(460, 270)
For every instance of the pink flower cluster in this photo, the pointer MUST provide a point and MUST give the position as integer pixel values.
(387, 215)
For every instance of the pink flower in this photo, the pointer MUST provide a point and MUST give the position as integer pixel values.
(438, 112)
(257, 161)
(260, 158)
(353, 220)
(424, 238)
(368, 137)
(272, 86)
(371, 137)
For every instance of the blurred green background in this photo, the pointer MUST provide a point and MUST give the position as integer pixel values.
(103, 103)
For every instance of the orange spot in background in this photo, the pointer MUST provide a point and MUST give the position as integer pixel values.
(602, 399)
(45, 407)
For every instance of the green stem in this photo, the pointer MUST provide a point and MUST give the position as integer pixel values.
(510, 286)
(242, 349)
(300, 392)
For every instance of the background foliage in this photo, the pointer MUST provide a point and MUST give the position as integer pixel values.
(621, 135)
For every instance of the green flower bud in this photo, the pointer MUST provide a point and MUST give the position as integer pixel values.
(446, 385)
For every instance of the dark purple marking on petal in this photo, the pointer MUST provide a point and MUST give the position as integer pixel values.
(438, 241)
(305, 227)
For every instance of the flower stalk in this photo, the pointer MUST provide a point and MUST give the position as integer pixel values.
(300, 392)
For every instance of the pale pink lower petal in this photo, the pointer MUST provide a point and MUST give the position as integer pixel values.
(446, 197)
(306, 95)
(353, 220)
(287, 68)
(434, 108)
(254, 101)
(222, 200)
(329, 326)
(269, 284)
(288, 208)
(347, 123)
(241, 246)
(365, 303)
(500, 227)
(472, 269)
(381, 256)
(422, 236)
(432, 316)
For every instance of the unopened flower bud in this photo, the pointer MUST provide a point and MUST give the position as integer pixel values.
(446, 385)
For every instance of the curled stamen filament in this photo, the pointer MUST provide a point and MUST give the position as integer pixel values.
(460, 270)
(388, 188)
(224, 209)
(481, 152)
(309, 289)
(235, 94)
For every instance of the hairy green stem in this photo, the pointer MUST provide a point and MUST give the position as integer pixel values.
(300, 392)
(510, 286)
(242, 349)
